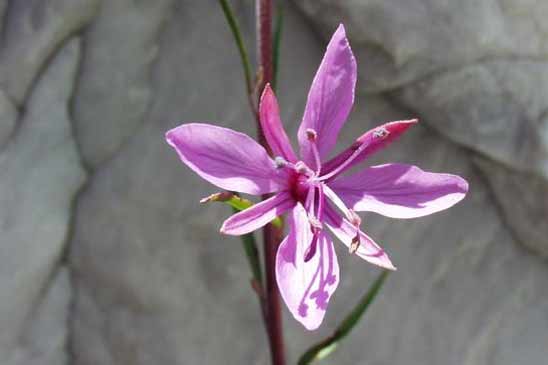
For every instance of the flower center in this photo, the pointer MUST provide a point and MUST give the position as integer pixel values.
(301, 179)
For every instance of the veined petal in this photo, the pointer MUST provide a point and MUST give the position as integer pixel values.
(272, 126)
(368, 249)
(306, 286)
(258, 215)
(367, 144)
(400, 190)
(330, 98)
(226, 158)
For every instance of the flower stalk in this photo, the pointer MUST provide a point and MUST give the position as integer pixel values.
(272, 235)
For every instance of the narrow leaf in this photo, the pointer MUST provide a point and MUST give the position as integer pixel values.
(252, 254)
(327, 346)
(234, 27)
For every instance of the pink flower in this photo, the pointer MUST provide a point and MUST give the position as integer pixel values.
(312, 189)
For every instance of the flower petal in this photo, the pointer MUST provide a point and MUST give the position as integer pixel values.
(272, 126)
(345, 231)
(226, 158)
(368, 143)
(400, 190)
(258, 215)
(306, 286)
(330, 97)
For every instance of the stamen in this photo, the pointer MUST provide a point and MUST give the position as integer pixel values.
(343, 165)
(312, 137)
(335, 199)
(301, 168)
(280, 162)
(315, 222)
(350, 214)
(355, 220)
(321, 201)
(378, 133)
(355, 244)
(311, 250)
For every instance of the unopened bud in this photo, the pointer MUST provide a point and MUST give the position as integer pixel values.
(218, 197)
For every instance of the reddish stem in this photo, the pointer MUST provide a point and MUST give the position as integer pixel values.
(272, 239)
(272, 235)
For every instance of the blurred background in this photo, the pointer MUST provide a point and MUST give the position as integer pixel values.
(106, 256)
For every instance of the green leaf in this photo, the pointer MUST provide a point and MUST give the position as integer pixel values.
(328, 345)
(276, 45)
(234, 27)
(252, 254)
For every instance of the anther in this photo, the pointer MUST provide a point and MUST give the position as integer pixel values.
(301, 168)
(280, 162)
(355, 244)
(381, 133)
(311, 134)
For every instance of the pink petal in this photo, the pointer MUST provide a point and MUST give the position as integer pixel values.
(258, 215)
(226, 158)
(272, 127)
(345, 231)
(330, 97)
(369, 143)
(306, 287)
(400, 191)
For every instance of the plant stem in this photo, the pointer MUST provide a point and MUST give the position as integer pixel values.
(272, 235)
(272, 239)
(276, 46)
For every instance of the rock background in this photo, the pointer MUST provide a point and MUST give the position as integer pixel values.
(107, 258)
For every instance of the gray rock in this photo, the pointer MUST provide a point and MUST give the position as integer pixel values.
(40, 173)
(476, 72)
(3, 6)
(114, 85)
(44, 341)
(523, 200)
(33, 32)
(402, 41)
(8, 118)
(494, 107)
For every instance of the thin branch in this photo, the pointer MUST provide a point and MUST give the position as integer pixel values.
(246, 65)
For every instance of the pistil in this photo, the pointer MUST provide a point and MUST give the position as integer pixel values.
(312, 138)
